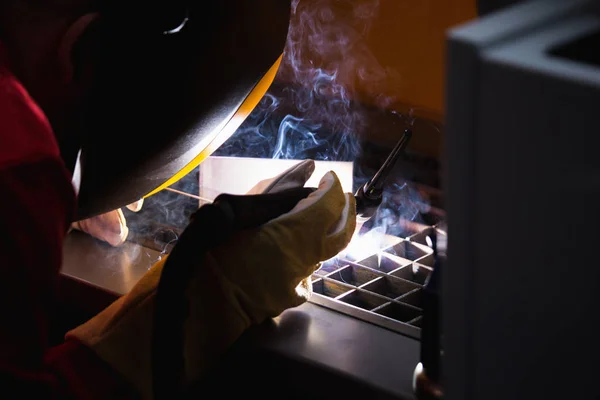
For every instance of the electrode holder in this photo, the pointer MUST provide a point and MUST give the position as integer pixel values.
(370, 195)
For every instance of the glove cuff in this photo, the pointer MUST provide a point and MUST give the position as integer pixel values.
(121, 335)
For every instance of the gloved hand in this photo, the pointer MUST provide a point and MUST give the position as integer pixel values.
(252, 277)
(110, 227)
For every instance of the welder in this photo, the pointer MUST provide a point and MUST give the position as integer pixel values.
(47, 62)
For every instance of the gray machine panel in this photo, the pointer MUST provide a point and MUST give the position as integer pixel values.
(521, 285)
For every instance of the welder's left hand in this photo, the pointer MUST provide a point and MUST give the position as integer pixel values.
(110, 227)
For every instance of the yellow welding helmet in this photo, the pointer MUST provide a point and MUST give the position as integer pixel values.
(175, 79)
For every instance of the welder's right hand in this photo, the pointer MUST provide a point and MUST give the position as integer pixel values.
(254, 276)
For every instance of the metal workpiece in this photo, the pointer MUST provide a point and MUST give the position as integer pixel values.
(370, 243)
(414, 272)
(414, 298)
(408, 250)
(389, 286)
(384, 262)
(353, 274)
(384, 288)
(362, 299)
(420, 237)
(417, 321)
(399, 312)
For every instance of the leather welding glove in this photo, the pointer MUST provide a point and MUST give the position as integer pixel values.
(255, 275)
(294, 177)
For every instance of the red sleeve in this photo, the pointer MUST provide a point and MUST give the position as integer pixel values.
(36, 206)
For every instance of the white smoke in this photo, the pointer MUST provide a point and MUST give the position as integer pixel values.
(317, 105)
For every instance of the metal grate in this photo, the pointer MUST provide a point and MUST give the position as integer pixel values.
(384, 288)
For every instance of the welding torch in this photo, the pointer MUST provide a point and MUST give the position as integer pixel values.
(369, 196)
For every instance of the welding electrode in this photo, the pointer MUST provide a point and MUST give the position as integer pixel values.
(369, 196)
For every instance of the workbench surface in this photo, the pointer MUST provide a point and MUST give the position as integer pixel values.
(312, 350)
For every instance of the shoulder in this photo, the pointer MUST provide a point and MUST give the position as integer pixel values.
(25, 133)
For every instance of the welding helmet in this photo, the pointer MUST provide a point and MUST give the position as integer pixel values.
(175, 79)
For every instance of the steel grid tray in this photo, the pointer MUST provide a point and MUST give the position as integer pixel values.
(384, 288)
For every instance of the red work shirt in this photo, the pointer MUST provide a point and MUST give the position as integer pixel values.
(37, 202)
